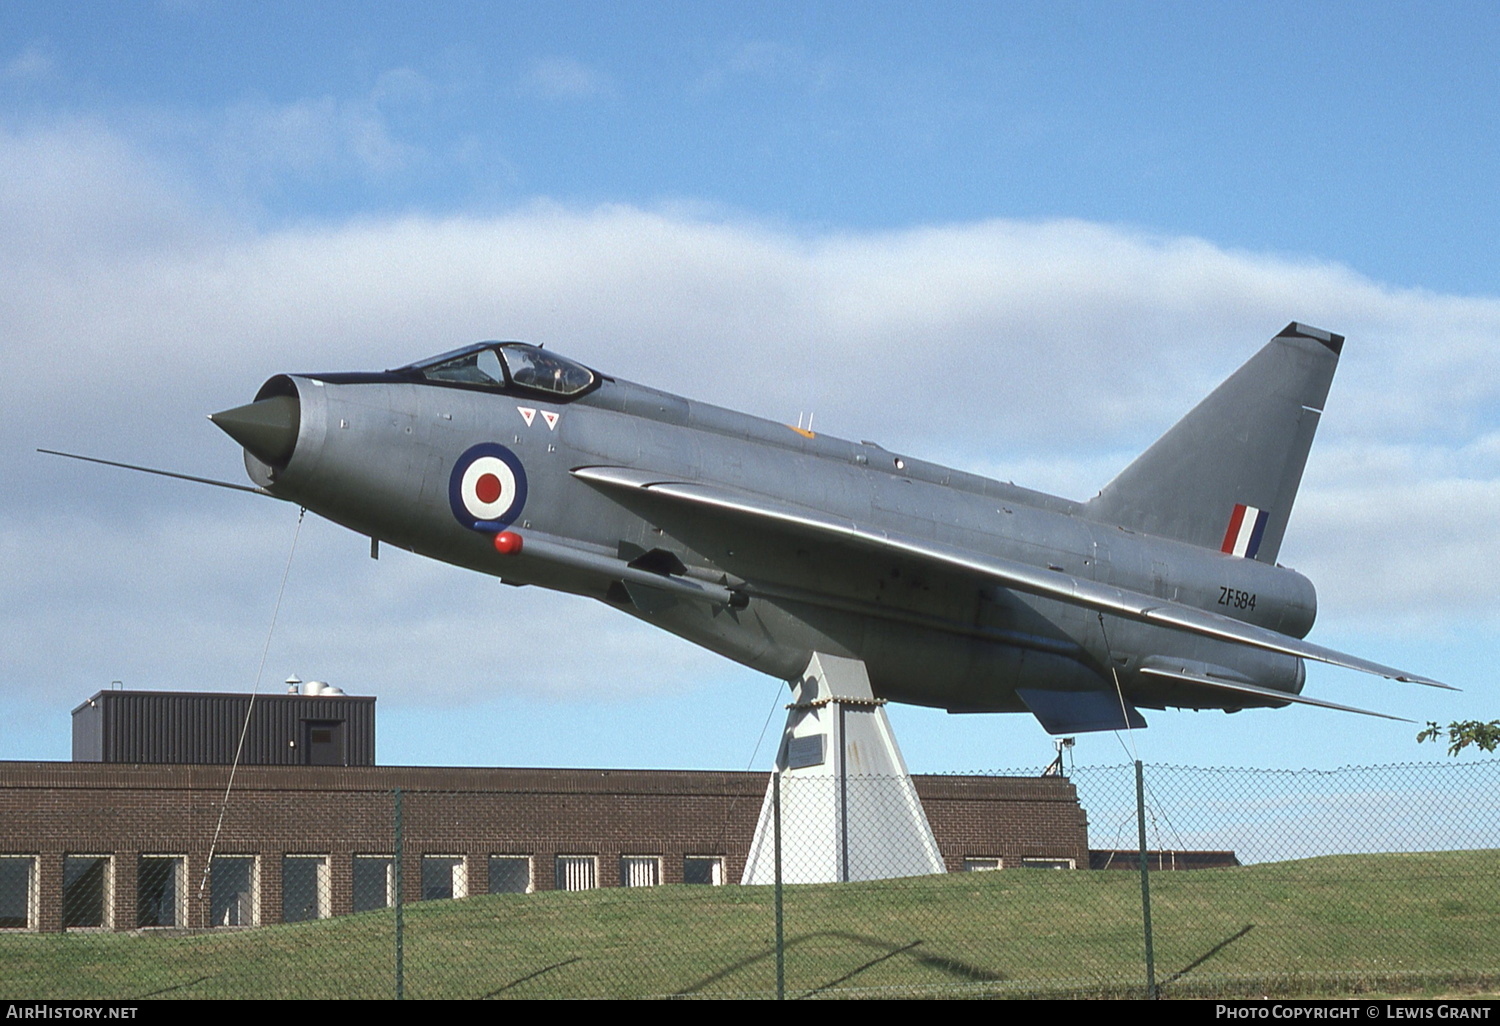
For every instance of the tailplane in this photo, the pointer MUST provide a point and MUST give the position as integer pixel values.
(1225, 476)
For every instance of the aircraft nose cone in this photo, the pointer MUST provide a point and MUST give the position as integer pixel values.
(267, 427)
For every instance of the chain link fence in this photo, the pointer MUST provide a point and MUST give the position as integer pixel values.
(1361, 880)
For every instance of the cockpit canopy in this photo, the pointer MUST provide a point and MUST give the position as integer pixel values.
(508, 364)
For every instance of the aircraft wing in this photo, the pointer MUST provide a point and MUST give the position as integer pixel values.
(1050, 584)
(1186, 676)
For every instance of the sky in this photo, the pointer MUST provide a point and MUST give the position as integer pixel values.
(1087, 213)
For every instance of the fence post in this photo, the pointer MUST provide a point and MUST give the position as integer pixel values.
(399, 857)
(780, 939)
(1140, 822)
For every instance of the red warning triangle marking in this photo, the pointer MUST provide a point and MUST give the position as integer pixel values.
(527, 414)
(551, 419)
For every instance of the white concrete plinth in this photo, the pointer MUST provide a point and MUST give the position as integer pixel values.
(848, 807)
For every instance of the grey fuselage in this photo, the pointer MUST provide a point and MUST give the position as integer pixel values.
(377, 454)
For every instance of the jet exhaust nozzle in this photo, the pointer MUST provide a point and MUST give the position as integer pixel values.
(267, 428)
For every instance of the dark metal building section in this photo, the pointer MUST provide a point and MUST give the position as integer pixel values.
(204, 729)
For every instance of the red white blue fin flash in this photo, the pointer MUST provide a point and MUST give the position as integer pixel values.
(1246, 526)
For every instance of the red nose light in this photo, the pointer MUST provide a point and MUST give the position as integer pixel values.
(507, 543)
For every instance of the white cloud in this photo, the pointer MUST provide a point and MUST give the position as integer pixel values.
(33, 63)
(311, 137)
(184, 600)
(563, 78)
(771, 62)
(257, 146)
(402, 90)
(1053, 349)
(77, 195)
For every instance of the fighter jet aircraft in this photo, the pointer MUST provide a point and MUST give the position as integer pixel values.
(768, 543)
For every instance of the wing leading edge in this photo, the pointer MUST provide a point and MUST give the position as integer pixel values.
(1049, 584)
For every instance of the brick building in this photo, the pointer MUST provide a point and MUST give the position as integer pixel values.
(119, 846)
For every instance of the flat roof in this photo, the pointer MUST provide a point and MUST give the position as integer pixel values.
(169, 776)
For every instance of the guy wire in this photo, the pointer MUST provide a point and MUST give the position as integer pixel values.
(250, 709)
(1120, 694)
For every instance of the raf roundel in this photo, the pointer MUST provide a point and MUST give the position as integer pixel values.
(487, 488)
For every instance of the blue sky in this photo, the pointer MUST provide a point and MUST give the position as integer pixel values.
(1099, 209)
(1352, 132)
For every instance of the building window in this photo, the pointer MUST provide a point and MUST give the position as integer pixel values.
(1042, 863)
(577, 872)
(87, 890)
(304, 888)
(703, 869)
(640, 870)
(17, 892)
(234, 898)
(510, 874)
(374, 882)
(981, 864)
(161, 891)
(444, 876)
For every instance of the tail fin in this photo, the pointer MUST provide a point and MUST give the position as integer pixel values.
(1225, 476)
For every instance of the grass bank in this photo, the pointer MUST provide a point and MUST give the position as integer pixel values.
(1390, 924)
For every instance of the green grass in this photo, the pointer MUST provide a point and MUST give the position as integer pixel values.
(1389, 924)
